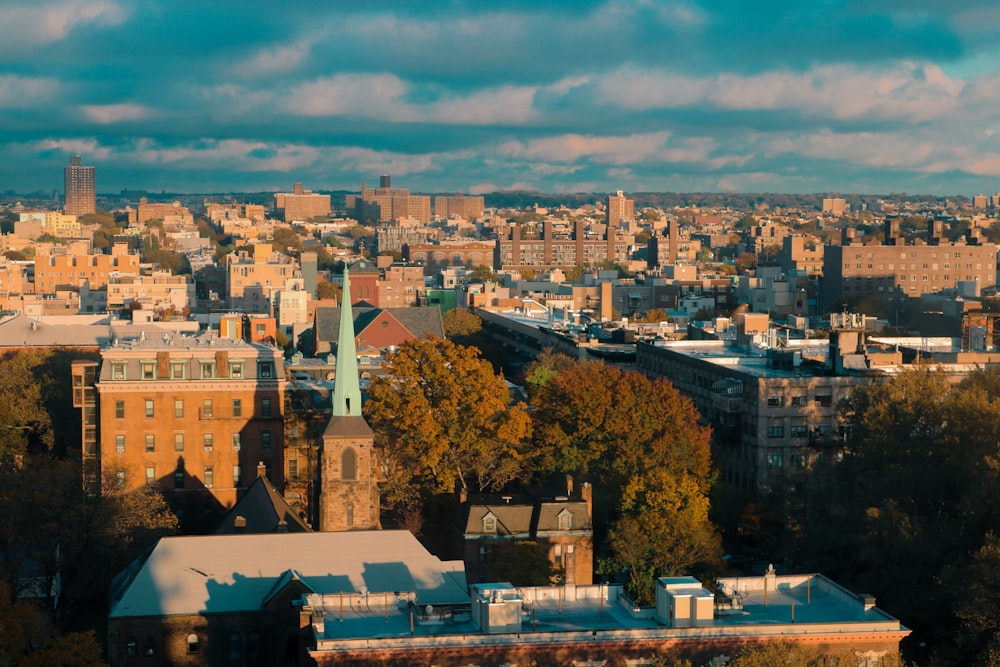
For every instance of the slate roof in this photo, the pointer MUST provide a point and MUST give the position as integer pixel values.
(264, 509)
(349, 426)
(418, 320)
(223, 574)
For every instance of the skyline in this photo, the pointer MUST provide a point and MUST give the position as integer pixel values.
(591, 96)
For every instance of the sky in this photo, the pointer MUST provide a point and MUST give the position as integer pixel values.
(797, 96)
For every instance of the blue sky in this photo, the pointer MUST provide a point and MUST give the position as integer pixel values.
(871, 96)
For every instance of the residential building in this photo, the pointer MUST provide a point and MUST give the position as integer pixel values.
(897, 271)
(256, 273)
(801, 255)
(73, 266)
(159, 290)
(172, 212)
(450, 253)
(79, 188)
(380, 328)
(386, 203)
(387, 284)
(520, 247)
(835, 206)
(562, 528)
(458, 206)
(393, 237)
(301, 205)
(190, 416)
(620, 211)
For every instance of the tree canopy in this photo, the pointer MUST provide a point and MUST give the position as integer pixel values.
(441, 414)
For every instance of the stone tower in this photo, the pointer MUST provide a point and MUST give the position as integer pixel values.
(348, 498)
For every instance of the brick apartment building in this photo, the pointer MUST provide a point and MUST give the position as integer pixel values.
(192, 416)
(519, 248)
(898, 272)
(76, 266)
(301, 205)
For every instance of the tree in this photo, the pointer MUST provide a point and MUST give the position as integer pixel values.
(441, 413)
(654, 315)
(328, 290)
(482, 274)
(546, 366)
(791, 654)
(286, 240)
(460, 322)
(25, 424)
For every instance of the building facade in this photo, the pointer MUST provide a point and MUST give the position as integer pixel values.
(191, 416)
(519, 248)
(302, 205)
(79, 188)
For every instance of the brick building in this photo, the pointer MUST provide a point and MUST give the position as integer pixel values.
(301, 205)
(191, 416)
(79, 188)
(897, 271)
(458, 206)
(519, 247)
(60, 267)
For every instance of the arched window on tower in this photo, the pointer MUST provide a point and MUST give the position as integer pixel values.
(348, 464)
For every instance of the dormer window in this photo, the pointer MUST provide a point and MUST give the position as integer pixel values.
(565, 520)
(489, 523)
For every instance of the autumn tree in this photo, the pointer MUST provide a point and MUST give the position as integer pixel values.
(442, 415)
(640, 441)
(791, 654)
(460, 322)
(25, 424)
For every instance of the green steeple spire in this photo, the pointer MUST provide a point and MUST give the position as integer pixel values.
(346, 389)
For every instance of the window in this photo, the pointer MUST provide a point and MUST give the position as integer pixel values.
(237, 407)
(236, 369)
(565, 520)
(484, 554)
(265, 369)
(824, 400)
(178, 408)
(150, 442)
(265, 441)
(120, 443)
(348, 464)
(776, 400)
(207, 370)
(177, 370)
(178, 442)
(774, 460)
(149, 407)
(131, 647)
(800, 431)
(118, 370)
(798, 401)
(148, 370)
(489, 524)
(150, 475)
(775, 431)
(236, 441)
(350, 514)
(179, 478)
(192, 642)
(293, 470)
(237, 475)
(119, 409)
(265, 407)
(209, 477)
(207, 440)
(206, 408)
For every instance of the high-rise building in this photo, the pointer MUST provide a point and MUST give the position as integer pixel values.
(620, 209)
(79, 188)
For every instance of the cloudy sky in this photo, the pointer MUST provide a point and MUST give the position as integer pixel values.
(870, 96)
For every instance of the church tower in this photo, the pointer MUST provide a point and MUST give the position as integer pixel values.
(348, 498)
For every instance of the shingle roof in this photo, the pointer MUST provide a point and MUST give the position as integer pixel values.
(264, 508)
(418, 320)
(236, 573)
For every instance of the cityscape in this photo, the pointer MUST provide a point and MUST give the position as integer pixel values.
(450, 335)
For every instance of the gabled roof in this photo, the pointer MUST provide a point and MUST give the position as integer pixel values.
(265, 511)
(221, 574)
(511, 519)
(418, 320)
(348, 427)
(548, 515)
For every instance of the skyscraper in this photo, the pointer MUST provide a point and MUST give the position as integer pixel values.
(79, 188)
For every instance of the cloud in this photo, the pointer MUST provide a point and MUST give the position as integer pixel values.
(106, 114)
(18, 92)
(31, 24)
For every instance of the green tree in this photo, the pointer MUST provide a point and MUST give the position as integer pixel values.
(440, 413)
(482, 274)
(286, 240)
(546, 366)
(460, 323)
(25, 424)
(328, 290)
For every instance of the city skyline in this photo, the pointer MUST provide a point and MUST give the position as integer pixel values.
(592, 96)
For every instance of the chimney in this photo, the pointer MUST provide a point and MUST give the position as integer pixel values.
(569, 486)
(261, 469)
(240, 524)
(282, 527)
(587, 494)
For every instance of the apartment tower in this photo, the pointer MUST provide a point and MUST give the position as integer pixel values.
(79, 188)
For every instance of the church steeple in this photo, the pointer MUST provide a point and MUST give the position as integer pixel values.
(346, 387)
